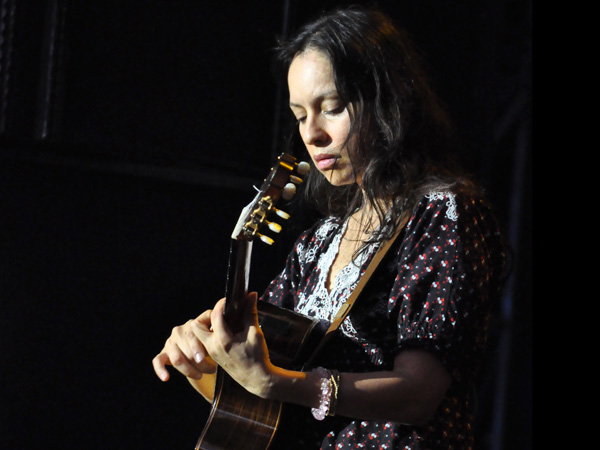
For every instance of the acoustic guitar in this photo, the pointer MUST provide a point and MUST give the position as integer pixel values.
(238, 419)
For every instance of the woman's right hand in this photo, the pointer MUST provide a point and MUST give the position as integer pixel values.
(184, 351)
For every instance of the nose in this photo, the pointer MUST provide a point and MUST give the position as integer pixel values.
(312, 131)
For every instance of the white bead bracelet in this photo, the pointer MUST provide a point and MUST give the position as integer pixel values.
(328, 395)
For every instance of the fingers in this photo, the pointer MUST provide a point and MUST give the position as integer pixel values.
(185, 351)
(222, 334)
(189, 342)
(190, 346)
(254, 332)
(173, 355)
(251, 310)
(159, 363)
(204, 319)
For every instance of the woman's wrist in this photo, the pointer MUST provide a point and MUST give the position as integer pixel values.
(291, 386)
(330, 383)
(277, 384)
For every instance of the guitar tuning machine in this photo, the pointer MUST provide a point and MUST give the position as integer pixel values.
(266, 239)
(281, 213)
(296, 180)
(274, 227)
(250, 230)
(289, 190)
(302, 168)
(266, 205)
(259, 217)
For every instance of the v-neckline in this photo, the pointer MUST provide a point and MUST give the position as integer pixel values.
(330, 281)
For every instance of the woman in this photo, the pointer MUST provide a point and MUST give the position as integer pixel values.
(399, 372)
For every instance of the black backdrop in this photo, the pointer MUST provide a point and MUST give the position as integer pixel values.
(130, 136)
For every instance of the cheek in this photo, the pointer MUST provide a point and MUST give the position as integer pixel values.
(342, 130)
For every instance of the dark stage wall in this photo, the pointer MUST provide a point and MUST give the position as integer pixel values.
(131, 133)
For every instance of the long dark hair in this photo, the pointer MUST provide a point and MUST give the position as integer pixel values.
(398, 124)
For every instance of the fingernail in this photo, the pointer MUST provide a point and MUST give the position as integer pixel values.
(198, 357)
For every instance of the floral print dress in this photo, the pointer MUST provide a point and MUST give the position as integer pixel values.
(433, 291)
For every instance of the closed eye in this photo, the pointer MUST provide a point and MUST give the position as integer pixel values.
(338, 110)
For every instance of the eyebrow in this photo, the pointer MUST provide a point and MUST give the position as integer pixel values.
(325, 96)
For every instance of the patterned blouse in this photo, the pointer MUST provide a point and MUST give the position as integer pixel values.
(433, 291)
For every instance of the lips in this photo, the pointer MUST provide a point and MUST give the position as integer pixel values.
(325, 161)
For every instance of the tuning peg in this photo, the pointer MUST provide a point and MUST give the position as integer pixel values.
(303, 168)
(281, 213)
(289, 190)
(266, 239)
(274, 227)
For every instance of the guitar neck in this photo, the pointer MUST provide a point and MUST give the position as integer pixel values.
(281, 182)
(240, 420)
(237, 281)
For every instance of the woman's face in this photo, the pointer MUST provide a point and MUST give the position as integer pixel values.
(323, 120)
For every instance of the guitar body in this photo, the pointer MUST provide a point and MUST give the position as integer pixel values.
(240, 420)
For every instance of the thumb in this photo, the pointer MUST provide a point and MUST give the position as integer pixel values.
(251, 309)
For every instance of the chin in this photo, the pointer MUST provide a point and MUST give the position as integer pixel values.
(339, 181)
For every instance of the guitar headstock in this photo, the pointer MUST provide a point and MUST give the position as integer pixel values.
(282, 180)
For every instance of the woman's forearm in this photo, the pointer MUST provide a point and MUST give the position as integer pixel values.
(408, 394)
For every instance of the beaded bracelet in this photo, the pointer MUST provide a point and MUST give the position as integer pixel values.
(330, 382)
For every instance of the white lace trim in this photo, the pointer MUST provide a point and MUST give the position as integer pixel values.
(451, 213)
(320, 302)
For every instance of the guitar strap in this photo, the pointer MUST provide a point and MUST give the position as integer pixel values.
(347, 305)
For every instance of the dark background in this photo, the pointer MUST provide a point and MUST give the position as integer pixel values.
(131, 133)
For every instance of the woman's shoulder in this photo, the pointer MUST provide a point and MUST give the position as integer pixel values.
(455, 212)
(453, 200)
(459, 213)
